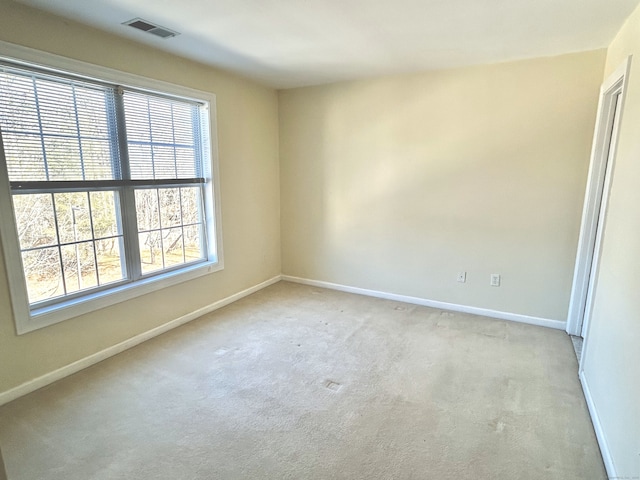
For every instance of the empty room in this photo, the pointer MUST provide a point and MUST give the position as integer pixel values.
(319, 240)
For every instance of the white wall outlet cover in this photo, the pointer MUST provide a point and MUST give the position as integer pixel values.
(495, 280)
(462, 277)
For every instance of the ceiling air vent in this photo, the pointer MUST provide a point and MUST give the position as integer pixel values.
(148, 27)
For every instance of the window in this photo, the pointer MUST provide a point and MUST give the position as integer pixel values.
(111, 188)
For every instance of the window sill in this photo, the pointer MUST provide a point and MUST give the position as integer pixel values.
(46, 316)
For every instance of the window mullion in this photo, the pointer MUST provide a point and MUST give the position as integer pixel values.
(130, 230)
(202, 219)
(42, 144)
(93, 238)
(128, 199)
(56, 223)
(77, 120)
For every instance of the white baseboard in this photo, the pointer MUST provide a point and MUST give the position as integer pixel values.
(597, 426)
(83, 363)
(515, 317)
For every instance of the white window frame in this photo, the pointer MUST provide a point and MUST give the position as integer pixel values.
(27, 320)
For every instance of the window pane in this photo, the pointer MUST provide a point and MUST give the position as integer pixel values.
(42, 274)
(182, 124)
(91, 113)
(164, 162)
(137, 118)
(23, 153)
(96, 156)
(110, 260)
(72, 210)
(172, 245)
(56, 107)
(103, 213)
(186, 162)
(150, 251)
(147, 209)
(170, 207)
(190, 197)
(193, 243)
(160, 112)
(63, 158)
(79, 266)
(18, 104)
(141, 161)
(35, 221)
(164, 242)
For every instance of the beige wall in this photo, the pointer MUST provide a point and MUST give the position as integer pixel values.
(612, 355)
(248, 153)
(396, 184)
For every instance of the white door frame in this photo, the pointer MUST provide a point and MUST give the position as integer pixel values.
(596, 197)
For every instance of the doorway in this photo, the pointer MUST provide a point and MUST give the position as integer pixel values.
(603, 153)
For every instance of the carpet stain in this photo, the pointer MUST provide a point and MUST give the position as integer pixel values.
(331, 385)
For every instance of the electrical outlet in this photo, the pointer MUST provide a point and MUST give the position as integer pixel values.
(462, 277)
(495, 280)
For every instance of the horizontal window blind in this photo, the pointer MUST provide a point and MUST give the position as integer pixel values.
(163, 137)
(56, 129)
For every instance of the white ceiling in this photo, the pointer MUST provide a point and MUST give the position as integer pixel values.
(288, 43)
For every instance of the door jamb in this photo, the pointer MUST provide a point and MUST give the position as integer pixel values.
(596, 199)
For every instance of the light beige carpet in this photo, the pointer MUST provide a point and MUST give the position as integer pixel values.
(296, 382)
